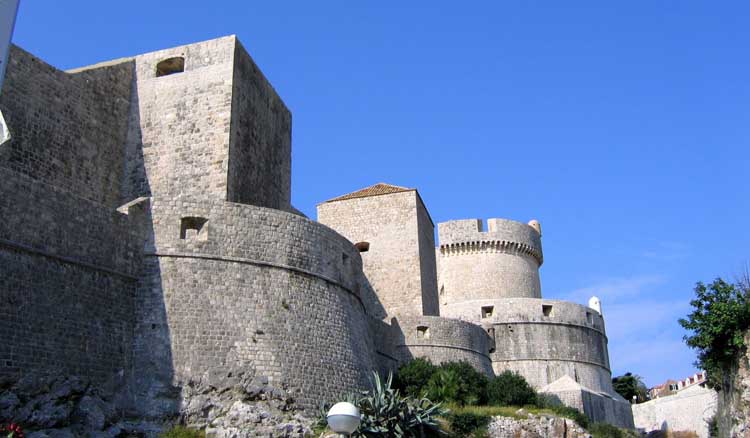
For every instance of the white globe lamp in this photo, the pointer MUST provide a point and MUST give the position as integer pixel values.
(343, 418)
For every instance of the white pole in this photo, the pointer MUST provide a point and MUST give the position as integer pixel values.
(8, 12)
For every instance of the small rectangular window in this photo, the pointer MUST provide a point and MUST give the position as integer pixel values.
(194, 228)
(589, 317)
(487, 311)
(170, 66)
(547, 309)
(423, 332)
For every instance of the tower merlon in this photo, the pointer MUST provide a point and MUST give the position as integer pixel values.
(501, 233)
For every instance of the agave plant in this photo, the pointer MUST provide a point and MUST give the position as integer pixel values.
(385, 412)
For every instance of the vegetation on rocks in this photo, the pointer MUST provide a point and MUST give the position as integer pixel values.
(473, 399)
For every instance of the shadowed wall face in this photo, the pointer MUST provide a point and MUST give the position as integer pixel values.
(260, 154)
(67, 129)
(68, 260)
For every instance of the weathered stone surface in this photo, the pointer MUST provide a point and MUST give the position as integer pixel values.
(733, 412)
(541, 426)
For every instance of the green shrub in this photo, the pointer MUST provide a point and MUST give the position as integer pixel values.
(510, 389)
(466, 423)
(605, 430)
(386, 413)
(471, 384)
(412, 377)
(182, 432)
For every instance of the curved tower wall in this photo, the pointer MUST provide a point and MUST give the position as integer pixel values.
(502, 262)
(252, 289)
(444, 340)
(545, 340)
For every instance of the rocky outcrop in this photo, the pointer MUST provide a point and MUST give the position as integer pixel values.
(536, 426)
(733, 414)
(226, 405)
(51, 405)
(239, 405)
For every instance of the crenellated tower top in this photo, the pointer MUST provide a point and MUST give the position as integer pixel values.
(497, 263)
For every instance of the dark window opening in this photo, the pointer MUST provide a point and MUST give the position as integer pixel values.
(487, 311)
(547, 309)
(362, 246)
(423, 332)
(170, 66)
(589, 317)
(194, 228)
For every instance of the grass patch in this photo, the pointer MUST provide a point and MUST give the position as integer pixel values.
(183, 432)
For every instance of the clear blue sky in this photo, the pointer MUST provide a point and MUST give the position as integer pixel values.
(624, 127)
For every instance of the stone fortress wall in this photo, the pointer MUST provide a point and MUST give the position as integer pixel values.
(255, 288)
(491, 278)
(182, 280)
(400, 239)
(68, 260)
(153, 192)
(444, 340)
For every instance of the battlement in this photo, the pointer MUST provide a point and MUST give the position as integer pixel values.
(502, 235)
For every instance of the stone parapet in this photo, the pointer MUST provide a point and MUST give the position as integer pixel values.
(503, 235)
(445, 340)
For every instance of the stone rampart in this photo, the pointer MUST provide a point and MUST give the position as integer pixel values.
(69, 269)
(688, 410)
(444, 340)
(253, 288)
(67, 129)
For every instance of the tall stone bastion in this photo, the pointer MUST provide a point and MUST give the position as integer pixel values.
(149, 244)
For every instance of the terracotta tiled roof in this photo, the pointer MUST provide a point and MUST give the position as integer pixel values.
(374, 190)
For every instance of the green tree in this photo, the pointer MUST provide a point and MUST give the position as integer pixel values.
(629, 385)
(510, 389)
(412, 377)
(457, 382)
(718, 323)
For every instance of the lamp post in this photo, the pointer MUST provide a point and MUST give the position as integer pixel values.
(343, 418)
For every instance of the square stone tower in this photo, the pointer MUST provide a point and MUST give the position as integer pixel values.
(205, 123)
(395, 236)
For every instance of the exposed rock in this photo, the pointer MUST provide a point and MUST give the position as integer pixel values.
(240, 405)
(536, 426)
(50, 405)
(227, 404)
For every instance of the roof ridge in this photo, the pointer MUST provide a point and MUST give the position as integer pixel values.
(376, 189)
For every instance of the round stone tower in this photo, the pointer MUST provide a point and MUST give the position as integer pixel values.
(502, 262)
